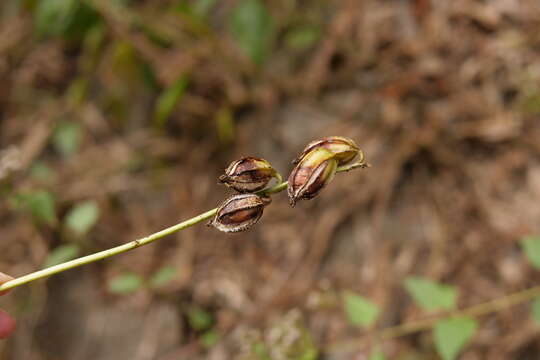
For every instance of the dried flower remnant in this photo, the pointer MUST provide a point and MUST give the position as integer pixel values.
(316, 169)
(344, 149)
(239, 212)
(249, 174)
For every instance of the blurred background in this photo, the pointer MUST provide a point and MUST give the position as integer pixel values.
(117, 117)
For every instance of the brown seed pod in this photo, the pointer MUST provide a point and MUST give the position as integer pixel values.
(249, 174)
(239, 212)
(316, 169)
(343, 148)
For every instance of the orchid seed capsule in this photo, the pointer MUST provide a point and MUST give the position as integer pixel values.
(239, 212)
(343, 148)
(315, 169)
(249, 174)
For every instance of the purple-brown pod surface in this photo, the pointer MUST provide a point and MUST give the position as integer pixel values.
(239, 212)
(343, 148)
(248, 174)
(316, 169)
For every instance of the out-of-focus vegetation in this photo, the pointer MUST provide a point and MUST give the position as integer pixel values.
(116, 117)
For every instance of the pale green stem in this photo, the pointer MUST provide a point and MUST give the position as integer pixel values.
(136, 243)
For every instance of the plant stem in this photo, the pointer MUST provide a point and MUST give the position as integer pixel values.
(106, 253)
(139, 242)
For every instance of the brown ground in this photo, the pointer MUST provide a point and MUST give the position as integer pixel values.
(442, 96)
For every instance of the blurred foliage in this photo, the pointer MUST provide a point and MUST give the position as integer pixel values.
(452, 334)
(536, 310)
(163, 276)
(62, 254)
(302, 37)
(125, 284)
(531, 246)
(82, 217)
(41, 172)
(359, 310)
(168, 99)
(68, 18)
(377, 355)
(41, 204)
(430, 295)
(253, 28)
(210, 338)
(67, 138)
(199, 319)
(225, 125)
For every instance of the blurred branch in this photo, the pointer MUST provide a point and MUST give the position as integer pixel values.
(485, 308)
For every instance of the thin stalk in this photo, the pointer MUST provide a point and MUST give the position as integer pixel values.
(137, 243)
(106, 253)
(485, 308)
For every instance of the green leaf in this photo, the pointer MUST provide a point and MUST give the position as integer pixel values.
(41, 204)
(69, 18)
(359, 310)
(253, 28)
(82, 217)
(52, 17)
(203, 7)
(125, 284)
(42, 172)
(168, 99)
(199, 319)
(376, 354)
(67, 138)
(261, 351)
(531, 246)
(210, 338)
(535, 310)
(84, 19)
(431, 295)
(225, 125)
(302, 37)
(62, 254)
(451, 335)
(163, 276)
(77, 91)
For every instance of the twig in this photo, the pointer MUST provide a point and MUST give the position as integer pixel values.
(135, 243)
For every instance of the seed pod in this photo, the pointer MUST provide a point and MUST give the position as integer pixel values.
(344, 149)
(248, 174)
(316, 169)
(239, 212)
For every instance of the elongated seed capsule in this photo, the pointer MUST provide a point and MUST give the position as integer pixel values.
(249, 174)
(314, 171)
(239, 212)
(343, 148)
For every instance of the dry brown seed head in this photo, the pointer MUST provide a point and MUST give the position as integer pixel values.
(343, 148)
(248, 174)
(314, 171)
(239, 212)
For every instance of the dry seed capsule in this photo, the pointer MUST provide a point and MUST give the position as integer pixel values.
(239, 212)
(316, 169)
(248, 174)
(344, 149)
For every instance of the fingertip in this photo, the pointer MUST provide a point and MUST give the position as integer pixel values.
(7, 325)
